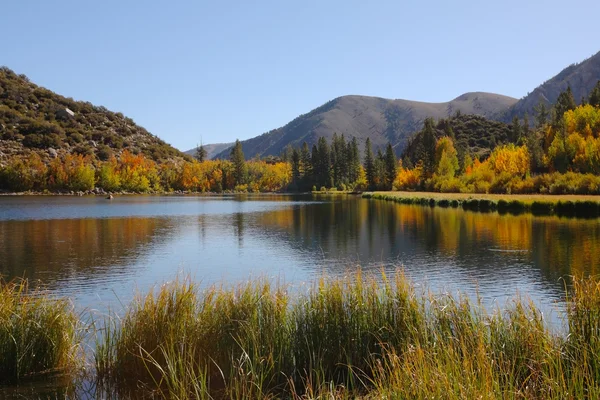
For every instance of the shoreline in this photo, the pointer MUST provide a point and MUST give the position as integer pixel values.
(579, 206)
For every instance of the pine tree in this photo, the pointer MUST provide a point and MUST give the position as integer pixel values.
(295, 168)
(305, 165)
(323, 167)
(369, 164)
(380, 170)
(515, 130)
(390, 167)
(354, 161)
(428, 149)
(238, 160)
(564, 103)
(541, 114)
(201, 153)
(594, 98)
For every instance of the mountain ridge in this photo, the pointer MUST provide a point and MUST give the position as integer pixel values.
(396, 120)
(382, 120)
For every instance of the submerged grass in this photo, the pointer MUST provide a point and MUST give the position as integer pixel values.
(369, 337)
(568, 206)
(38, 334)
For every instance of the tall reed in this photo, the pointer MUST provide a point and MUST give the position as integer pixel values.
(38, 334)
(357, 336)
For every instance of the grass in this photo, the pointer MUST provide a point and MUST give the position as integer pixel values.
(358, 336)
(368, 337)
(39, 335)
(561, 205)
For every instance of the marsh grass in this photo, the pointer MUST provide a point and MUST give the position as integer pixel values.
(356, 336)
(369, 337)
(39, 335)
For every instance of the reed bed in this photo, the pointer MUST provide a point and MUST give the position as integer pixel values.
(579, 208)
(352, 337)
(367, 337)
(39, 335)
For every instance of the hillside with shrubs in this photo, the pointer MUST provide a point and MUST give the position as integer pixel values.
(36, 120)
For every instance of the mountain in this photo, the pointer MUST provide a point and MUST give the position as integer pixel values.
(211, 149)
(582, 78)
(383, 120)
(33, 118)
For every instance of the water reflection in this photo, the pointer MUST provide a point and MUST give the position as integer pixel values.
(99, 249)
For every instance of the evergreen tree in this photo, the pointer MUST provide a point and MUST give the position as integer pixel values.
(238, 160)
(305, 166)
(515, 130)
(295, 168)
(428, 147)
(323, 166)
(200, 153)
(353, 161)
(594, 98)
(286, 154)
(380, 170)
(541, 114)
(564, 103)
(536, 152)
(390, 167)
(448, 131)
(369, 164)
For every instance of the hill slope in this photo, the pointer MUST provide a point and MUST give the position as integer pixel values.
(383, 120)
(582, 78)
(33, 118)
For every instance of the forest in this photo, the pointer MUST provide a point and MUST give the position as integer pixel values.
(557, 153)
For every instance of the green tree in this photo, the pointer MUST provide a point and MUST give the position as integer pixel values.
(354, 161)
(305, 166)
(428, 148)
(515, 130)
(369, 164)
(240, 170)
(322, 164)
(201, 153)
(594, 98)
(541, 114)
(295, 168)
(564, 103)
(390, 167)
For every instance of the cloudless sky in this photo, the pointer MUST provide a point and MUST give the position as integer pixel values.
(221, 70)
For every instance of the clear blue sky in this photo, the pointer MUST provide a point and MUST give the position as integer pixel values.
(223, 70)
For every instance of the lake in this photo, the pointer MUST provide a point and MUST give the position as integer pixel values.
(100, 252)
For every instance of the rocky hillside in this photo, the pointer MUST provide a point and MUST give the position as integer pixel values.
(383, 120)
(33, 118)
(582, 78)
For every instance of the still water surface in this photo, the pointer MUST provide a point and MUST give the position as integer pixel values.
(100, 252)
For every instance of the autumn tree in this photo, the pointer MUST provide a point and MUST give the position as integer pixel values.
(446, 158)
